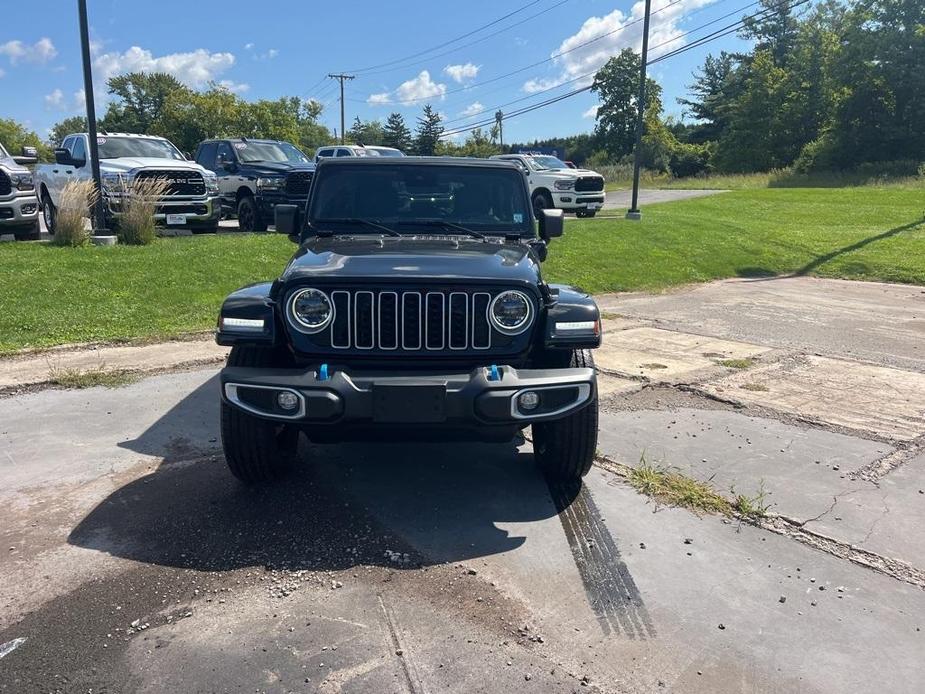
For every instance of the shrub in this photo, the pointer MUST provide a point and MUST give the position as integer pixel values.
(72, 222)
(139, 203)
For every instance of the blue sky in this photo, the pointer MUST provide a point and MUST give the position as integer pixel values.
(404, 54)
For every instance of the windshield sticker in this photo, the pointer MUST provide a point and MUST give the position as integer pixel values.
(101, 140)
(240, 145)
(518, 218)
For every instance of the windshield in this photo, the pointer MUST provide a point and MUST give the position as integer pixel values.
(384, 152)
(547, 162)
(279, 152)
(115, 147)
(411, 198)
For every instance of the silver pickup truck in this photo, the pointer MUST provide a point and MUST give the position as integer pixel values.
(19, 208)
(192, 200)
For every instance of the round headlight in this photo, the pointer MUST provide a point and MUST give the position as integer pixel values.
(311, 310)
(511, 312)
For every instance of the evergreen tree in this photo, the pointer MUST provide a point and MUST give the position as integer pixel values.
(429, 132)
(396, 134)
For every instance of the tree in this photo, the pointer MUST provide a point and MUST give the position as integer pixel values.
(617, 87)
(60, 130)
(141, 100)
(396, 134)
(714, 87)
(773, 28)
(366, 132)
(429, 132)
(14, 136)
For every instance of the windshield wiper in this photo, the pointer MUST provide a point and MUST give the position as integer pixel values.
(367, 222)
(446, 225)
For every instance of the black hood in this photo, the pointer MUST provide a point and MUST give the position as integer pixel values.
(273, 167)
(409, 259)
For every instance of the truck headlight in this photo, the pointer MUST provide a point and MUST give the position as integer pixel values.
(270, 183)
(511, 312)
(22, 181)
(310, 310)
(211, 181)
(564, 185)
(114, 182)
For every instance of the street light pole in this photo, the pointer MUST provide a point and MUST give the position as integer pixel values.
(633, 212)
(99, 219)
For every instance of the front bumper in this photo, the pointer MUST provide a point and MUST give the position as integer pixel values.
(488, 397)
(194, 209)
(19, 209)
(570, 200)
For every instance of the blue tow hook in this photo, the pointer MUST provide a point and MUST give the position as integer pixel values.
(494, 373)
(323, 372)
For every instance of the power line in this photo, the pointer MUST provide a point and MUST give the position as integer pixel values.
(341, 77)
(445, 43)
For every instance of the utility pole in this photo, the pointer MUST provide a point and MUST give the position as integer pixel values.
(340, 78)
(99, 219)
(499, 121)
(633, 212)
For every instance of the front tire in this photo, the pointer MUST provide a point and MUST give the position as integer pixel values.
(541, 201)
(564, 448)
(257, 450)
(49, 213)
(249, 218)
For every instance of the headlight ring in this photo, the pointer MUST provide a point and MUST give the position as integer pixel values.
(310, 310)
(511, 312)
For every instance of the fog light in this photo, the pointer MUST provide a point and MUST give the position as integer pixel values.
(528, 401)
(287, 400)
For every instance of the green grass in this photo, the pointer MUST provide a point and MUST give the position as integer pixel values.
(620, 178)
(856, 233)
(51, 295)
(737, 363)
(90, 378)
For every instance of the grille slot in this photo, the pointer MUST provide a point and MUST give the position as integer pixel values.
(6, 187)
(411, 321)
(181, 181)
(298, 182)
(587, 184)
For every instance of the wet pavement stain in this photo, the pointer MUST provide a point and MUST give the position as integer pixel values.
(611, 590)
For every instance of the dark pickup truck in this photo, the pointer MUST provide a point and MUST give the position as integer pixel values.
(254, 176)
(413, 309)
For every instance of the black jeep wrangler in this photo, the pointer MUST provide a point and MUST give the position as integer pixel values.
(254, 176)
(414, 309)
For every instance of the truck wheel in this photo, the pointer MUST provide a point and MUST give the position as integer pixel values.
(257, 450)
(564, 449)
(249, 218)
(49, 213)
(541, 201)
(31, 233)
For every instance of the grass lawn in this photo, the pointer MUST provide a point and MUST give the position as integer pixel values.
(50, 296)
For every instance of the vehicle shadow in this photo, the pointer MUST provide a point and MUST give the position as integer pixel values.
(342, 506)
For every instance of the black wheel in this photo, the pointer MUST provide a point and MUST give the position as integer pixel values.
(249, 218)
(585, 213)
(31, 233)
(49, 214)
(564, 449)
(541, 201)
(257, 450)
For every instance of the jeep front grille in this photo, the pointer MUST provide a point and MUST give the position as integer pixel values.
(589, 184)
(298, 183)
(5, 186)
(181, 182)
(429, 321)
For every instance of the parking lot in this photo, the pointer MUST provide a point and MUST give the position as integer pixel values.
(133, 562)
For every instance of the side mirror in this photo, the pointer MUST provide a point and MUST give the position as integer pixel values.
(287, 220)
(63, 157)
(29, 155)
(552, 224)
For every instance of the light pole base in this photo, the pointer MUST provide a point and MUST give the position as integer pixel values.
(635, 215)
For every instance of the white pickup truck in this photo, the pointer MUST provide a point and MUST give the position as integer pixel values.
(553, 184)
(19, 208)
(192, 200)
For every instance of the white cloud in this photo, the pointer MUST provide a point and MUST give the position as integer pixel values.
(195, 68)
(39, 52)
(472, 109)
(234, 87)
(380, 99)
(460, 73)
(591, 112)
(80, 99)
(248, 46)
(618, 31)
(55, 99)
(272, 53)
(420, 88)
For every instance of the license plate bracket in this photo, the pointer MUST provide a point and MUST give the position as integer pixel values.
(173, 219)
(409, 403)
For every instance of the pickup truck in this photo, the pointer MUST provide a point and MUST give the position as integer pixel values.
(192, 199)
(556, 185)
(19, 213)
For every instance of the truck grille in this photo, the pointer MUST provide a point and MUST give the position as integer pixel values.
(589, 184)
(428, 321)
(298, 183)
(5, 186)
(182, 182)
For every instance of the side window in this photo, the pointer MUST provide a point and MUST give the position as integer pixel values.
(324, 152)
(341, 152)
(205, 157)
(68, 141)
(225, 155)
(79, 151)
